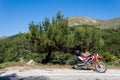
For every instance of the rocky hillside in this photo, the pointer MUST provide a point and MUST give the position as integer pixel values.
(104, 24)
(4, 37)
(112, 23)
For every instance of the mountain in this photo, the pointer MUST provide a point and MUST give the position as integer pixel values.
(112, 23)
(4, 37)
(81, 20)
(9, 37)
(104, 24)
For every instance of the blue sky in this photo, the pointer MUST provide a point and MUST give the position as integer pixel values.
(15, 15)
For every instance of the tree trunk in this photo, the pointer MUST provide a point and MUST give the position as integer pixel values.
(47, 59)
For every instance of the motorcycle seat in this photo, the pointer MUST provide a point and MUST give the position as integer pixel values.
(86, 56)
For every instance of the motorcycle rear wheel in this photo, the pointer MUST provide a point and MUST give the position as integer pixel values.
(76, 66)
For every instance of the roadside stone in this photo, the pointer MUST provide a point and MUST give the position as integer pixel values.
(31, 62)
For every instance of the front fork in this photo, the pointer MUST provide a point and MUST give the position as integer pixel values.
(98, 63)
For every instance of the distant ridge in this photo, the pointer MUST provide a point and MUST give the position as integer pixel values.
(4, 37)
(104, 24)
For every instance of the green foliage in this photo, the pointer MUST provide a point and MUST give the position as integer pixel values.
(109, 57)
(61, 58)
(87, 36)
(111, 41)
(35, 56)
(15, 47)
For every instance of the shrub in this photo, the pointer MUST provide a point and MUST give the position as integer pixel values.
(35, 56)
(62, 58)
(109, 57)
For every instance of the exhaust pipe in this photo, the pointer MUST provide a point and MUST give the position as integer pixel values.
(82, 64)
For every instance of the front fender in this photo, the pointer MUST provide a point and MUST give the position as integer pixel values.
(100, 58)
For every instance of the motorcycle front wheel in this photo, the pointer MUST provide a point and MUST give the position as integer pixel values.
(101, 66)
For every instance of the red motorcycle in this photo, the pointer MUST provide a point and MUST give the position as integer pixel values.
(94, 60)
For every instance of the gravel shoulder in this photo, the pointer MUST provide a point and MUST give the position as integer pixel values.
(58, 74)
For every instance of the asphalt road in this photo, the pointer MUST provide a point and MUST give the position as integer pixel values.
(59, 74)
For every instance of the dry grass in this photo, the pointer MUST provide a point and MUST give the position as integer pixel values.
(9, 66)
(113, 67)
